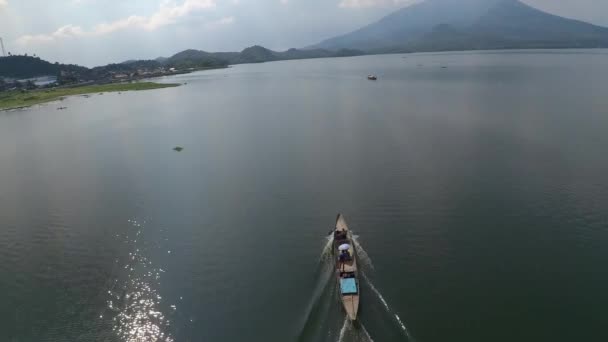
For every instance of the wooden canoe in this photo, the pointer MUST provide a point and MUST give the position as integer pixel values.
(346, 268)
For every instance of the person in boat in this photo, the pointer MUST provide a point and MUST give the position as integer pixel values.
(340, 235)
(344, 256)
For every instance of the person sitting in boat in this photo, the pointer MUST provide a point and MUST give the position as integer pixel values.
(344, 256)
(340, 235)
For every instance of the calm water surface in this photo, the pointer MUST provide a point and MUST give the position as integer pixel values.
(479, 193)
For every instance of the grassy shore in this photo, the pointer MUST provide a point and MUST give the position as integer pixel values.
(18, 99)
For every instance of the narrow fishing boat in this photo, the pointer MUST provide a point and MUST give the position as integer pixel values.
(372, 77)
(346, 267)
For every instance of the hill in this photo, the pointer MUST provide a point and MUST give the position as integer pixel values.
(438, 25)
(194, 59)
(22, 67)
(30, 67)
(253, 54)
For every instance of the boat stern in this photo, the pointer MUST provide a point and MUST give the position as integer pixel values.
(351, 305)
(350, 297)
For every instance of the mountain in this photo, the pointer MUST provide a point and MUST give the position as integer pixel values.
(28, 67)
(256, 54)
(253, 54)
(194, 59)
(439, 25)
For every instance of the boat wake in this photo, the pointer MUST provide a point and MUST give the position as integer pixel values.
(364, 259)
(324, 300)
(353, 332)
(387, 308)
(345, 326)
(326, 254)
(324, 318)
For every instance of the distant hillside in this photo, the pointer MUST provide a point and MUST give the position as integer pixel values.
(256, 54)
(194, 59)
(253, 54)
(438, 25)
(29, 67)
(22, 67)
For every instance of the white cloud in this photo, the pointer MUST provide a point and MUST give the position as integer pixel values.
(374, 3)
(3, 3)
(62, 32)
(284, 2)
(167, 14)
(220, 23)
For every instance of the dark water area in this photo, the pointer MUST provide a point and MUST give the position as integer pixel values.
(477, 184)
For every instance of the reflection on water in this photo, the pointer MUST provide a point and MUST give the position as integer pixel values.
(135, 301)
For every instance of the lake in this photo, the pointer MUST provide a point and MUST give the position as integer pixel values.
(477, 184)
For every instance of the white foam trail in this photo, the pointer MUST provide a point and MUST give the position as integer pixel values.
(388, 309)
(326, 253)
(367, 335)
(343, 330)
(376, 292)
(407, 332)
(325, 272)
(347, 326)
(361, 253)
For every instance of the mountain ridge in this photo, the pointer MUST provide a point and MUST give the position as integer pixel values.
(444, 25)
(29, 66)
(431, 25)
(256, 54)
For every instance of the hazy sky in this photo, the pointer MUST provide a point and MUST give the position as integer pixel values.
(94, 32)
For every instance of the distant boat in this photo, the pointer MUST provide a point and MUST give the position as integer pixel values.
(346, 267)
(372, 77)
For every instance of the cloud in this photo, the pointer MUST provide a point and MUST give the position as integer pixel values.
(374, 3)
(62, 32)
(3, 3)
(220, 23)
(167, 14)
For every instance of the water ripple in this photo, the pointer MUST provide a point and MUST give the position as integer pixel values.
(135, 303)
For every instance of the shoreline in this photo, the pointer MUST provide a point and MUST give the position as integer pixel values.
(13, 100)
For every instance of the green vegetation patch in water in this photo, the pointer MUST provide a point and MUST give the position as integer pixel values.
(18, 99)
